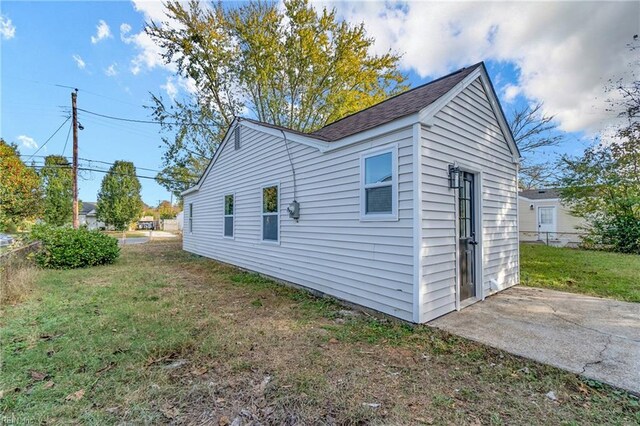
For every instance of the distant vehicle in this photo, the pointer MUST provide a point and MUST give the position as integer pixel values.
(6, 240)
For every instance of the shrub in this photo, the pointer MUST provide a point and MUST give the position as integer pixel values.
(68, 248)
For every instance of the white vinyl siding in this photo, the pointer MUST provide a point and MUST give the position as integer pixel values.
(329, 249)
(466, 130)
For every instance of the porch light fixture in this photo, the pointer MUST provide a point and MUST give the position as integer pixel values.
(454, 176)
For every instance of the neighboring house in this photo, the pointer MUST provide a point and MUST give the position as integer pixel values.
(363, 209)
(87, 216)
(543, 217)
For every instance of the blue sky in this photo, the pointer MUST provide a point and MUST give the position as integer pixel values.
(59, 43)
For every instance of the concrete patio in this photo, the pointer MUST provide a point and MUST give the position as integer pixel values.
(597, 338)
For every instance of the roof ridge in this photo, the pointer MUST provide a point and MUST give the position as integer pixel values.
(400, 94)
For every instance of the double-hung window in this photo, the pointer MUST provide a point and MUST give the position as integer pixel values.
(190, 218)
(229, 212)
(270, 215)
(379, 184)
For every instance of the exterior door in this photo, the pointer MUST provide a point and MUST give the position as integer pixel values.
(546, 223)
(467, 238)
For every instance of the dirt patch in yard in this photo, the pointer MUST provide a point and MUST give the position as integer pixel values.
(181, 339)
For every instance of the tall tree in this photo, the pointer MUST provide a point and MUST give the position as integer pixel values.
(20, 194)
(57, 181)
(603, 185)
(119, 201)
(166, 210)
(294, 66)
(533, 130)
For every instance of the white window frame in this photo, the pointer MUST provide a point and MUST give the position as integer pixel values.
(393, 216)
(225, 216)
(191, 218)
(263, 214)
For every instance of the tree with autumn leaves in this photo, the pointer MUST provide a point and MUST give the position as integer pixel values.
(20, 191)
(293, 65)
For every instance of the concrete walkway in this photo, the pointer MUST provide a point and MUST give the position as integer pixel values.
(597, 338)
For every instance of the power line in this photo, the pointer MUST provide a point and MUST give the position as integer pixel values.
(65, 142)
(108, 164)
(50, 137)
(133, 120)
(88, 169)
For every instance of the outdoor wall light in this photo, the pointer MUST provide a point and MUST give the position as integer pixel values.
(454, 176)
(530, 206)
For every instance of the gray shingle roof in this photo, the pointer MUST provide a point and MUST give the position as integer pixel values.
(87, 207)
(406, 103)
(409, 102)
(540, 194)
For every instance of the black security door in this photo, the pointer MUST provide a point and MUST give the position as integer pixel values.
(468, 243)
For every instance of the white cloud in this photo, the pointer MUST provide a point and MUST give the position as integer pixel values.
(170, 88)
(7, 29)
(111, 70)
(175, 84)
(564, 51)
(149, 53)
(79, 61)
(125, 29)
(27, 142)
(510, 92)
(102, 31)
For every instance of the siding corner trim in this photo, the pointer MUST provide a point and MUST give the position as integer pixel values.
(417, 223)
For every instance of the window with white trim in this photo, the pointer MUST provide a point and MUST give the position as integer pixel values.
(379, 185)
(270, 215)
(190, 217)
(229, 214)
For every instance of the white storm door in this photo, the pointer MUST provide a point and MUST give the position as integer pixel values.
(547, 223)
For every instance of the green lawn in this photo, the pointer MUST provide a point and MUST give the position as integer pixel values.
(595, 273)
(166, 337)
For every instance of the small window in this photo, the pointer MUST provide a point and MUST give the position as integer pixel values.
(270, 216)
(236, 138)
(378, 192)
(190, 217)
(229, 201)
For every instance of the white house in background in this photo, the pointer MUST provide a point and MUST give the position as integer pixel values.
(87, 216)
(363, 209)
(543, 217)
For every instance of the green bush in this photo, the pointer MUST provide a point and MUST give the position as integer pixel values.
(68, 248)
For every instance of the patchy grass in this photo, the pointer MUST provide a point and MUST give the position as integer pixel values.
(590, 272)
(166, 337)
(16, 285)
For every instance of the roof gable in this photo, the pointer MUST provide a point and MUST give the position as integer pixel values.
(424, 100)
(403, 104)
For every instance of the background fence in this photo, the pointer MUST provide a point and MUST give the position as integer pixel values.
(558, 239)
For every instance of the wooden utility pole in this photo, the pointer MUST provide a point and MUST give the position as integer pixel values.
(74, 109)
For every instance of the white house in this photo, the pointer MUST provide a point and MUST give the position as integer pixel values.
(544, 217)
(87, 216)
(363, 209)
